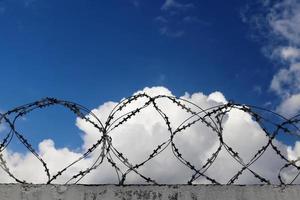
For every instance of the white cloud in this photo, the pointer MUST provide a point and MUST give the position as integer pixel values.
(137, 138)
(172, 4)
(217, 97)
(290, 53)
(195, 20)
(136, 3)
(175, 18)
(290, 106)
(279, 22)
(22, 165)
(166, 31)
(287, 81)
(161, 19)
(294, 152)
(284, 19)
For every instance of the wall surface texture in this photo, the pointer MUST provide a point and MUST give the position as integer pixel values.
(135, 192)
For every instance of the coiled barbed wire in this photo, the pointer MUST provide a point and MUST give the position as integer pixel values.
(212, 117)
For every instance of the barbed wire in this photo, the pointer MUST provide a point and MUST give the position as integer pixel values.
(271, 123)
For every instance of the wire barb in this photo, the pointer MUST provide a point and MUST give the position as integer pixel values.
(212, 118)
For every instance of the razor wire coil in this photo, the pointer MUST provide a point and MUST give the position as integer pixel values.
(212, 118)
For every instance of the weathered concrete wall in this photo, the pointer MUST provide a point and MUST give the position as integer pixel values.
(135, 192)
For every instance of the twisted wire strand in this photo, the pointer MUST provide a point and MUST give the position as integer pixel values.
(213, 118)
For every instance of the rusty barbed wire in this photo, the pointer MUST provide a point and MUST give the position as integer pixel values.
(213, 118)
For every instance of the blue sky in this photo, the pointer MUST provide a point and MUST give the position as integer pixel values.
(91, 51)
(94, 51)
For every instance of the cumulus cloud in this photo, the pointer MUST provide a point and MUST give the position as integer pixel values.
(22, 164)
(137, 138)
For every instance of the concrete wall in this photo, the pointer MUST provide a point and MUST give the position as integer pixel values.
(134, 192)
